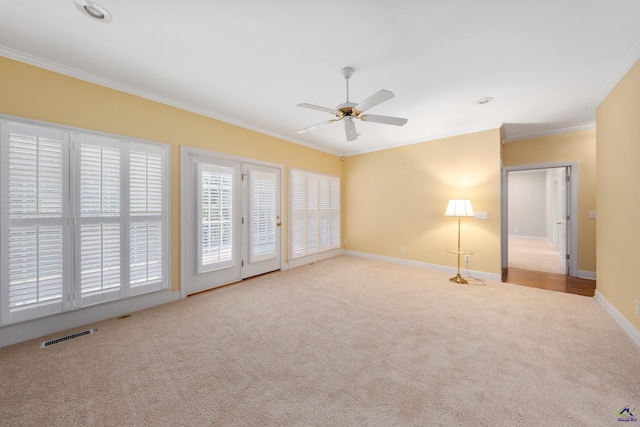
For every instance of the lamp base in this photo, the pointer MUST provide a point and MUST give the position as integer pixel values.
(459, 279)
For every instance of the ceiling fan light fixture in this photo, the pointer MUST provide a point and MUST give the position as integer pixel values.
(93, 11)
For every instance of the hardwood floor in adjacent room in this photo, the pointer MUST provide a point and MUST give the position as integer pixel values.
(550, 281)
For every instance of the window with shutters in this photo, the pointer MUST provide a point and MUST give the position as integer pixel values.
(315, 213)
(263, 211)
(35, 222)
(83, 220)
(215, 218)
(146, 217)
(100, 221)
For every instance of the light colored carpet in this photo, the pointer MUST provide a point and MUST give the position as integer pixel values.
(533, 254)
(344, 342)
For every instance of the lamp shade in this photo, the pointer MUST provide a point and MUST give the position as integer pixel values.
(459, 207)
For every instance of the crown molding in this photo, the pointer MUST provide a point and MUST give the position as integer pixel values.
(586, 126)
(618, 75)
(111, 84)
(444, 135)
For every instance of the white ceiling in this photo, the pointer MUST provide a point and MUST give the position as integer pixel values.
(547, 64)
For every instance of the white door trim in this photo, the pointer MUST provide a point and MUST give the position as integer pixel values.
(573, 223)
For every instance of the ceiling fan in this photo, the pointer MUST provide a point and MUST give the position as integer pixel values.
(350, 111)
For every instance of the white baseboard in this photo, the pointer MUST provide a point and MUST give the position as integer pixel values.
(12, 334)
(626, 326)
(426, 266)
(521, 236)
(293, 263)
(582, 274)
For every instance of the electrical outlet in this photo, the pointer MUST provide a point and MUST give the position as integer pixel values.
(401, 249)
(638, 307)
(467, 258)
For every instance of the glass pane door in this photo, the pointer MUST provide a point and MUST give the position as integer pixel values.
(262, 220)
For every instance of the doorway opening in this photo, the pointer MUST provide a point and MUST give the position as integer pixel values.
(538, 212)
(539, 234)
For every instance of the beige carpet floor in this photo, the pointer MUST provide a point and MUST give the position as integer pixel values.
(533, 254)
(343, 342)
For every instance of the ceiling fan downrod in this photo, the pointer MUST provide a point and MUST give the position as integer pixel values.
(347, 72)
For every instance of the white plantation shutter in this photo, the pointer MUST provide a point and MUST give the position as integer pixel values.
(146, 217)
(215, 217)
(298, 200)
(100, 240)
(334, 221)
(325, 212)
(315, 213)
(60, 192)
(262, 191)
(34, 222)
(312, 214)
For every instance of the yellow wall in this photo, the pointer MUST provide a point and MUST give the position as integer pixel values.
(575, 146)
(34, 93)
(397, 197)
(618, 223)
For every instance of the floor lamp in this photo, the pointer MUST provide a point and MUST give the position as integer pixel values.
(459, 208)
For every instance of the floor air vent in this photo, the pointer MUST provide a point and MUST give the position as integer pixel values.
(49, 343)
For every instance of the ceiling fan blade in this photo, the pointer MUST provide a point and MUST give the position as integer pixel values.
(350, 128)
(375, 99)
(316, 126)
(317, 107)
(387, 120)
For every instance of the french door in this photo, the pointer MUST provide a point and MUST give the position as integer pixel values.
(261, 221)
(231, 224)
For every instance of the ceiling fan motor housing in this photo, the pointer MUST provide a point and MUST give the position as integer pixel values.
(347, 109)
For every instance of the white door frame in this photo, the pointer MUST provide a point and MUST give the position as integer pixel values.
(186, 154)
(573, 208)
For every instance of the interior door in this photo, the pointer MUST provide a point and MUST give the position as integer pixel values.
(261, 220)
(563, 218)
